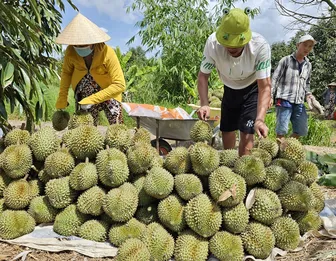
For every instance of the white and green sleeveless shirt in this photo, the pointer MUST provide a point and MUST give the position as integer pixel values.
(238, 72)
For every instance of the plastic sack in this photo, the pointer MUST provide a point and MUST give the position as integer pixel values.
(154, 111)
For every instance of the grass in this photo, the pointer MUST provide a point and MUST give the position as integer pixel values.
(319, 131)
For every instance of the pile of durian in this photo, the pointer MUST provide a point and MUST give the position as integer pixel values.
(214, 98)
(194, 203)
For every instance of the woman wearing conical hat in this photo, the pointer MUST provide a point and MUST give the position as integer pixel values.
(92, 69)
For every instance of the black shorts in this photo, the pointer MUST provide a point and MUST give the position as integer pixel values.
(239, 109)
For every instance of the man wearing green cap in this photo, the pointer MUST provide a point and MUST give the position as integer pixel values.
(243, 61)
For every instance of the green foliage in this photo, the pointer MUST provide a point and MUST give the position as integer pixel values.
(319, 133)
(324, 55)
(178, 29)
(327, 167)
(28, 29)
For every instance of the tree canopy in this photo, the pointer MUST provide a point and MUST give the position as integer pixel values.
(28, 29)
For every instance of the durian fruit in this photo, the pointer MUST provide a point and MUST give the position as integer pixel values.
(158, 241)
(4, 181)
(147, 214)
(309, 171)
(79, 119)
(59, 163)
(43, 177)
(201, 131)
(271, 146)
(266, 207)
(178, 161)
(307, 221)
(85, 141)
(2, 205)
(139, 157)
(144, 198)
(318, 202)
(251, 169)
(276, 177)
(288, 165)
(112, 167)
(91, 201)
(15, 223)
(141, 135)
(133, 249)
(203, 216)
(17, 195)
(227, 247)
(95, 230)
(218, 93)
(296, 197)
(16, 136)
(159, 183)
(258, 240)
(215, 104)
(235, 219)
(292, 149)
(190, 247)
(204, 159)
(264, 155)
(213, 98)
(43, 143)
(171, 213)
(36, 188)
(60, 120)
(286, 232)
(68, 221)
(41, 210)
(120, 232)
(299, 178)
(59, 192)
(228, 157)
(66, 137)
(157, 160)
(188, 186)
(17, 160)
(121, 203)
(224, 181)
(83, 176)
(118, 136)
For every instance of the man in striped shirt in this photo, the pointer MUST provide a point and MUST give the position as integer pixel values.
(290, 88)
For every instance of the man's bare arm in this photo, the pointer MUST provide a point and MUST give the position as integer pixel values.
(264, 97)
(202, 86)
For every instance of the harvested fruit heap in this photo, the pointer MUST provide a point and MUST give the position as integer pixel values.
(190, 205)
(214, 98)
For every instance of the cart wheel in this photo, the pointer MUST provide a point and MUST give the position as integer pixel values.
(164, 147)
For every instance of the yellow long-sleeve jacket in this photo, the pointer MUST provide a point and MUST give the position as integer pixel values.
(105, 70)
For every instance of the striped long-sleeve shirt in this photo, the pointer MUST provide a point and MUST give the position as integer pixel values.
(288, 83)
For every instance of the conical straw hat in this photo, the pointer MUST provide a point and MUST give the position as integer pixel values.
(81, 31)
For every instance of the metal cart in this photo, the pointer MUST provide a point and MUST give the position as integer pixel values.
(167, 129)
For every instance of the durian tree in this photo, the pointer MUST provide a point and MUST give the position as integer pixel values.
(27, 46)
